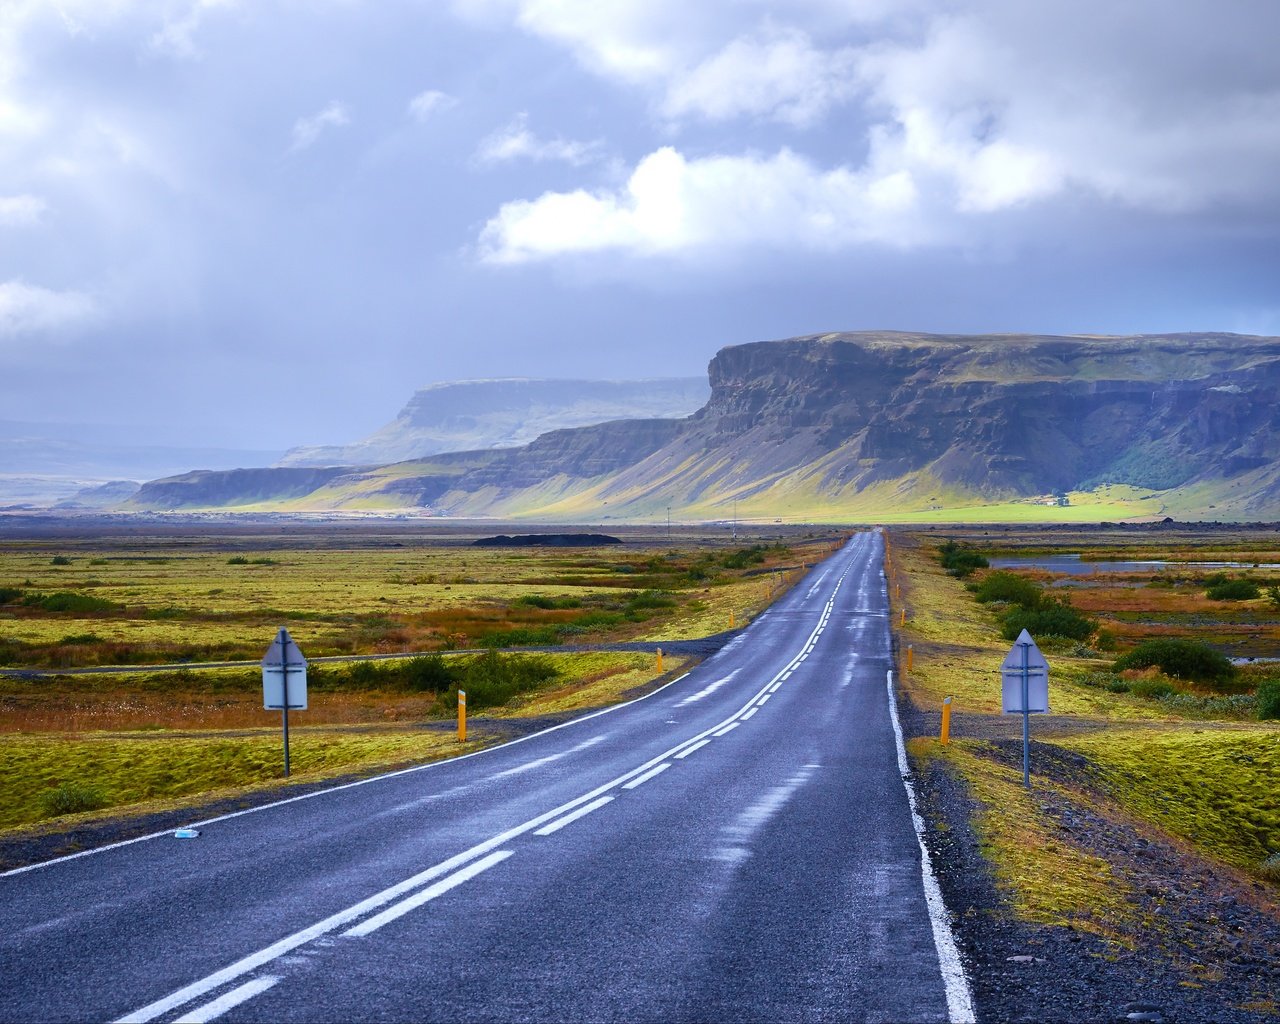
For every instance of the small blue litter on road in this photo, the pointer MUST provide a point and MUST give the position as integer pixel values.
(186, 833)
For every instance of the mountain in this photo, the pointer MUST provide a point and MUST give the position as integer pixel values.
(881, 425)
(505, 413)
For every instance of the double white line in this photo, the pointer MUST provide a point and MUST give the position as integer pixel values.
(415, 891)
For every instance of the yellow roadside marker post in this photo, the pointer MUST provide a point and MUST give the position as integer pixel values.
(462, 716)
(731, 619)
(659, 659)
(911, 653)
(903, 620)
(945, 738)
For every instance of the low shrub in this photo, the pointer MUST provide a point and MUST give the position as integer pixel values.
(650, 599)
(237, 560)
(65, 601)
(493, 679)
(1152, 689)
(1052, 617)
(1009, 588)
(1233, 590)
(1269, 699)
(72, 798)
(546, 603)
(1182, 659)
(428, 673)
(960, 561)
(59, 560)
(10, 594)
(1270, 868)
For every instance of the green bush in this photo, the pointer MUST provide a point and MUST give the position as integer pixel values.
(1269, 699)
(1052, 617)
(237, 560)
(547, 603)
(1233, 590)
(64, 601)
(744, 557)
(1008, 587)
(428, 673)
(650, 599)
(493, 679)
(521, 636)
(1182, 659)
(10, 594)
(60, 560)
(1152, 689)
(72, 798)
(960, 561)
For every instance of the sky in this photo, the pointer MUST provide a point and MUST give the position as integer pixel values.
(262, 223)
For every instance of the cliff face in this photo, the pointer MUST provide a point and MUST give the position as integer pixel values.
(818, 422)
(471, 415)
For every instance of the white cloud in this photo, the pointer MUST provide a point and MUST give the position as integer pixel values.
(307, 130)
(671, 205)
(29, 309)
(781, 76)
(516, 142)
(21, 210)
(422, 106)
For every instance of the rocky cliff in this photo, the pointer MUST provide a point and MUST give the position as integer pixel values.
(860, 423)
(470, 415)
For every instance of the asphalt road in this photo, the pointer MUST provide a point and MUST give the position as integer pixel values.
(736, 846)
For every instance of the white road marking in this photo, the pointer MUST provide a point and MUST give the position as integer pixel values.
(426, 895)
(731, 726)
(707, 691)
(581, 812)
(959, 999)
(530, 765)
(239, 994)
(689, 750)
(762, 700)
(648, 775)
(749, 713)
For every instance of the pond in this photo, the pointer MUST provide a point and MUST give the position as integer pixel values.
(1075, 565)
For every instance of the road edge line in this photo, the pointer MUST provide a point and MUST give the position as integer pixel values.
(954, 979)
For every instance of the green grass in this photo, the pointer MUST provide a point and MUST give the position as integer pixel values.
(1216, 788)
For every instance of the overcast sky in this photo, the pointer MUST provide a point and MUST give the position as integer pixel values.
(265, 223)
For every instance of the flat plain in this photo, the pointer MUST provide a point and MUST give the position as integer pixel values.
(82, 747)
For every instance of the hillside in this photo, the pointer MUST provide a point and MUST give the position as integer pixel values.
(470, 415)
(883, 425)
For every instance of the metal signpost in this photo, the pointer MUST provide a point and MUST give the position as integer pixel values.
(284, 683)
(1025, 690)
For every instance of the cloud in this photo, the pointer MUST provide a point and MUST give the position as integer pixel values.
(28, 309)
(422, 106)
(21, 210)
(176, 38)
(516, 142)
(782, 76)
(671, 205)
(307, 130)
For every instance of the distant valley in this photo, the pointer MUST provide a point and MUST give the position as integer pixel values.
(884, 425)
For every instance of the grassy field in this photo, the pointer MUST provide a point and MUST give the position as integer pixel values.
(1189, 759)
(79, 746)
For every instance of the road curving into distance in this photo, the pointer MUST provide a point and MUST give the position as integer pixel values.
(739, 845)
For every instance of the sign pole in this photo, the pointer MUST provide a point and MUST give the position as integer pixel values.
(1026, 717)
(284, 711)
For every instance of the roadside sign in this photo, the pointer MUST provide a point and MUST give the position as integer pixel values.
(283, 661)
(1025, 662)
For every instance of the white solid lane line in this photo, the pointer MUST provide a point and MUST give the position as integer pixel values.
(689, 750)
(569, 819)
(426, 895)
(239, 994)
(651, 773)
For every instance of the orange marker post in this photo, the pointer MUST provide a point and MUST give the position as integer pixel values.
(945, 738)
(659, 659)
(462, 716)
(911, 656)
(903, 620)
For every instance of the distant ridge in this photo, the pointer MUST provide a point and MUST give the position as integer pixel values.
(507, 412)
(883, 424)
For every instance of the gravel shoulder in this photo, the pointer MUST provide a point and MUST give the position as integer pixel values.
(1202, 942)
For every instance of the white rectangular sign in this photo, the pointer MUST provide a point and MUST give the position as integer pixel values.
(273, 687)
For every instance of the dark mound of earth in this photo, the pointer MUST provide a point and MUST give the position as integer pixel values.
(546, 540)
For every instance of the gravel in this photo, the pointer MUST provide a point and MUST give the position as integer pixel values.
(1212, 952)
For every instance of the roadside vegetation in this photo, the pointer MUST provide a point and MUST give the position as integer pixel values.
(1152, 720)
(91, 746)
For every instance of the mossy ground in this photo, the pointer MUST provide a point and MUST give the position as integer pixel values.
(1211, 785)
